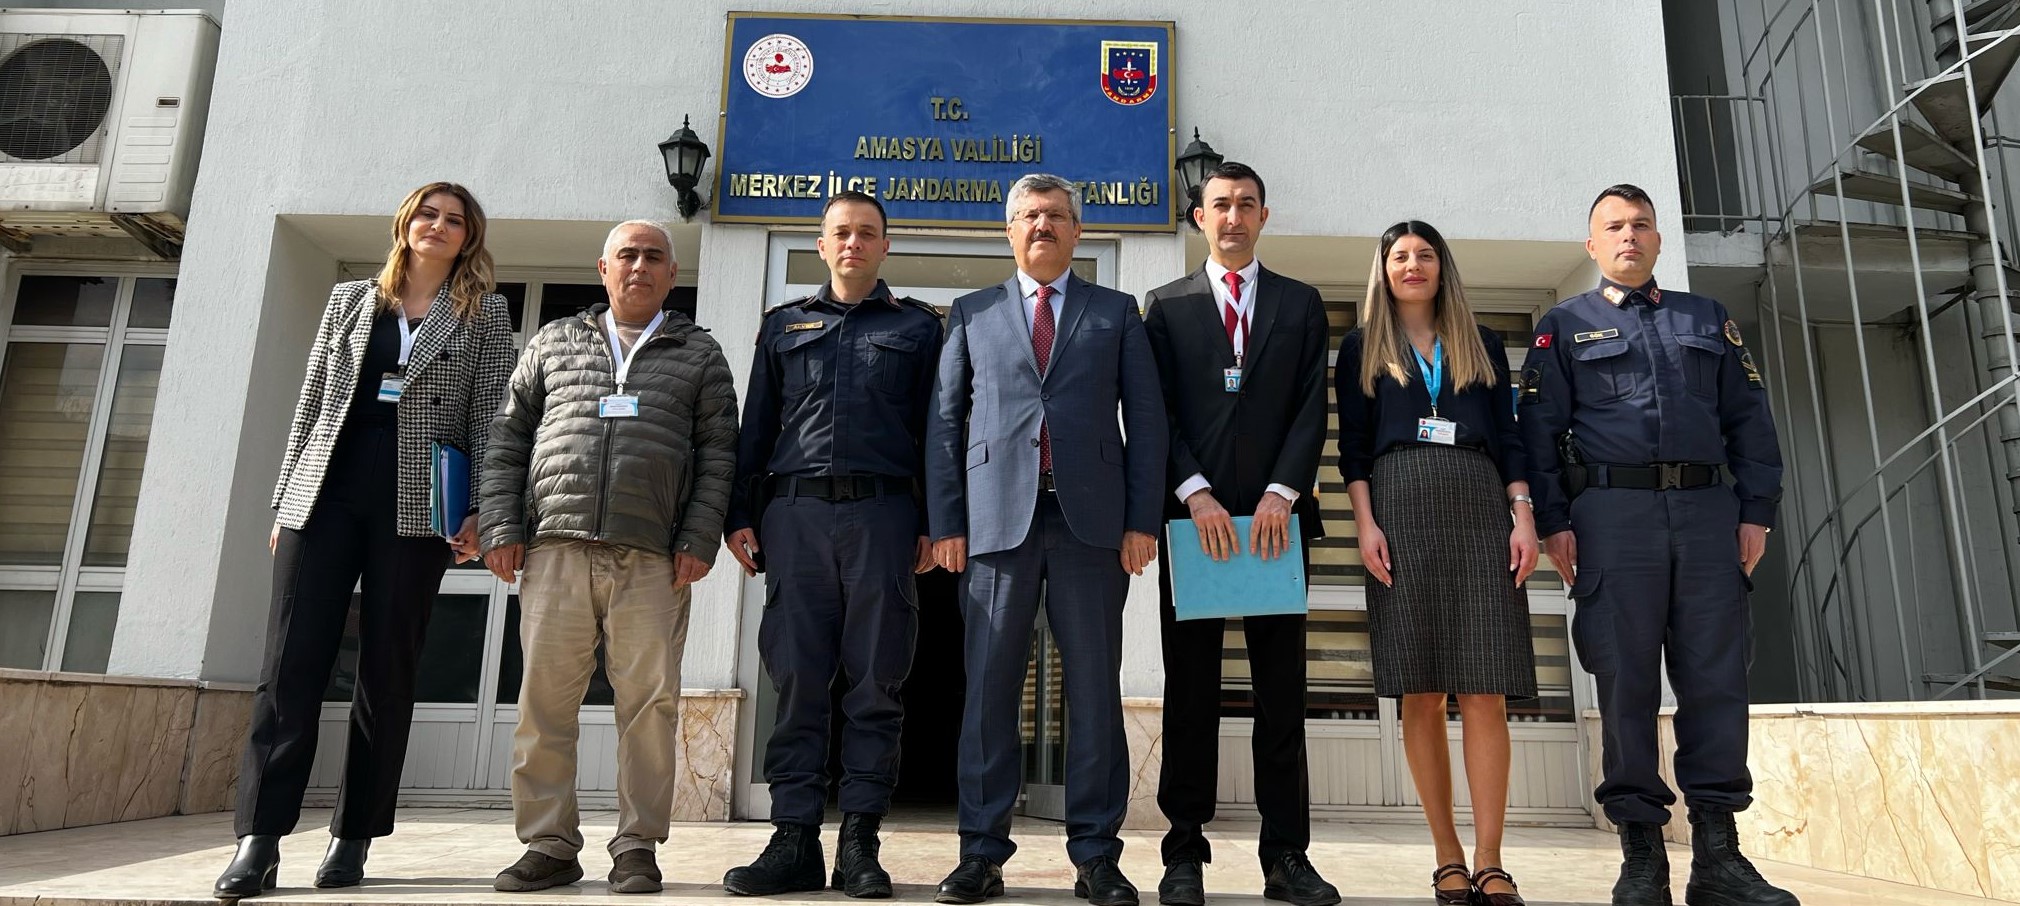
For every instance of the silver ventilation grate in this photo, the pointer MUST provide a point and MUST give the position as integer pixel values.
(55, 94)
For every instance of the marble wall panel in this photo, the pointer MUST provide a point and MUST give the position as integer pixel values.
(1926, 794)
(216, 738)
(1143, 724)
(90, 752)
(706, 767)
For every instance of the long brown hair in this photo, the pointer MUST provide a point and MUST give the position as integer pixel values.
(1383, 344)
(469, 277)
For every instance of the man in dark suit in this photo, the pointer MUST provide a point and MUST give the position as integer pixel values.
(1242, 354)
(1033, 491)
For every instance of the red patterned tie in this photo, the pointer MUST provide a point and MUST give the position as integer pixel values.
(1231, 319)
(1041, 346)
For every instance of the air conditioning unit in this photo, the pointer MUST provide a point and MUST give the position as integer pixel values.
(101, 122)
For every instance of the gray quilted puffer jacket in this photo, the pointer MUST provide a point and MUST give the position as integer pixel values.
(659, 482)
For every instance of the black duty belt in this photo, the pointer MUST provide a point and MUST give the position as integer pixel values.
(842, 488)
(1656, 476)
(1045, 482)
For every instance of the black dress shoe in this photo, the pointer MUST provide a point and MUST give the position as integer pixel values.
(974, 880)
(254, 870)
(1293, 880)
(344, 863)
(1184, 884)
(1101, 883)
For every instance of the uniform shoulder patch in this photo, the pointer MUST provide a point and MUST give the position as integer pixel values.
(1752, 370)
(1532, 383)
(1543, 340)
(1732, 333)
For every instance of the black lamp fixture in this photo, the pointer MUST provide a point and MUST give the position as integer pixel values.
(1194, 163)
(685, 154)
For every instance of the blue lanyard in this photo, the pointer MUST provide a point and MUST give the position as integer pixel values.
(1433, 370)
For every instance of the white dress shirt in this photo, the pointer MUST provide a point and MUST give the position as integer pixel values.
(1244, 310)
(1029, 286)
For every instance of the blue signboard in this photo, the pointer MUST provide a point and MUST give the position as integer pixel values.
(939, 117)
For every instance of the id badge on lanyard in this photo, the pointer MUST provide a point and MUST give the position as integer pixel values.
(1230, 378)
(1434, 430)
(621, 404)
(393, 383)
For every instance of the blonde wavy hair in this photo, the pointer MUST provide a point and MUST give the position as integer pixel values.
(469, 278)
(1383, 345)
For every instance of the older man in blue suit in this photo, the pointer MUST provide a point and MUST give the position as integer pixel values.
(1034, 490)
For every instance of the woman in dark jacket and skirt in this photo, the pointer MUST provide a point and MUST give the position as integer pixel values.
(1434, 466)
(419, 354)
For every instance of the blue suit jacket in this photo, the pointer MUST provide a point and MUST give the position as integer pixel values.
(982, 441)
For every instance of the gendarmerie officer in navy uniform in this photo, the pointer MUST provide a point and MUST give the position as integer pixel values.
(826, 506)
(1636, 404)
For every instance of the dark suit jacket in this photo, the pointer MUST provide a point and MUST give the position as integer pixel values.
(982, 438)
(1273, 430)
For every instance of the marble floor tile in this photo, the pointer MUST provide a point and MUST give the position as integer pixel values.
(450, 856)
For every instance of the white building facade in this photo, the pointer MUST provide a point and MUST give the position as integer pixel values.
(1497, 122)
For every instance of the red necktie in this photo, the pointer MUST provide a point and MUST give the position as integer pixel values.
(1230, 318)
(1041, 346)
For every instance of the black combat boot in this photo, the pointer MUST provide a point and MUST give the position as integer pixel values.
(1644, 867)
(791, 863)
(857, 872)
(1719, 875)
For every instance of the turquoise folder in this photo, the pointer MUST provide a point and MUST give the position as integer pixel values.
(448, 488)
(1243, 585)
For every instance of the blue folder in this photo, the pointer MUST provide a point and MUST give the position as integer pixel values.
(448, 488)
(1243, 585)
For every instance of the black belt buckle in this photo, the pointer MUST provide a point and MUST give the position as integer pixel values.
(845, 490)
(1668, 476)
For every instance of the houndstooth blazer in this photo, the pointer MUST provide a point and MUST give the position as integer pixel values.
(456, 380)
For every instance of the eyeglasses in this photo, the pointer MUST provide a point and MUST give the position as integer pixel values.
(1034, 218)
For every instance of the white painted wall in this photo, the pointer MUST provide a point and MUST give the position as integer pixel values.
(1499, 120)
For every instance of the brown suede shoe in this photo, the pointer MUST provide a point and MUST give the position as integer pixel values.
(634, 871)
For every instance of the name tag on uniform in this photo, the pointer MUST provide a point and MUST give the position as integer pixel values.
(1230, 380)
(1590, 335)
(1437, 431)
(617, 405)
(391, 384)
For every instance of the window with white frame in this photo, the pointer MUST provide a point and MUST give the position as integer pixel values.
(80, 358)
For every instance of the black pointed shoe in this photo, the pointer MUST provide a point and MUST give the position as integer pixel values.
(1491, 874)
(1719, 874)
(974, 880)
(344, 863)
(791, 863)
(857, 871)
(1644, 867)
(1101, 883)
(254, 869)
(1184, 884)
(1293, 880)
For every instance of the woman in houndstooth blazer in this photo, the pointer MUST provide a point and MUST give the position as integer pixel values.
(417, 355)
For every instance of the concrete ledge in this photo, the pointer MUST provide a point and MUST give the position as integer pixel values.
(1920, 793)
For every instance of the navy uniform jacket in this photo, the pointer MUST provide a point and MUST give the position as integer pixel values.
(1642, 376)
(837, 389)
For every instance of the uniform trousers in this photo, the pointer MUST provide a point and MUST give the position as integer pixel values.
(839, 597)
(573, 595)
(1659, 580)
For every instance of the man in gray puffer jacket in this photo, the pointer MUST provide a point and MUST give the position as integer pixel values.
(606, 479)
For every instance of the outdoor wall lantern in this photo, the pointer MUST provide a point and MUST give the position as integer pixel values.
(1194, 163)
(685, 154)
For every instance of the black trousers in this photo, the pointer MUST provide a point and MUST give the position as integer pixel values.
(351, 533)
(1187, 782)
(839, 597)
(1659, 584)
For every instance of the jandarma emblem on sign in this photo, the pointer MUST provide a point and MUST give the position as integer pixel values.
(778, 65)
(1129, 71)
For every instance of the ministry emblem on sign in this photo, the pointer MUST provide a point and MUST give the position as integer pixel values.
(1129, 71)
(778, 65)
